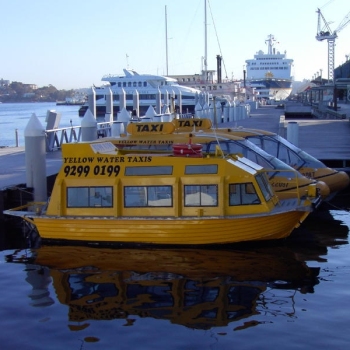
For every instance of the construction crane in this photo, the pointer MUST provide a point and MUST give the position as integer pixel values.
(324, 32)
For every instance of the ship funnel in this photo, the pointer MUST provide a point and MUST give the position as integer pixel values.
(218, 62)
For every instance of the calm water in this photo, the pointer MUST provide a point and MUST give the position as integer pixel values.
(290, 295)
(16, 116)
(293, 294)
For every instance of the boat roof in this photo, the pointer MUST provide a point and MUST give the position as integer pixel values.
(247, 131)
(132, 75)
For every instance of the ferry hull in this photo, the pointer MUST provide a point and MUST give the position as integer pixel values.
(183, 231)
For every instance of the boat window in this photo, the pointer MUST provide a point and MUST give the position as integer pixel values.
(148, 170)
(265, 186)
(144, 83)
(201, 169)
(148, 196)
(288, 156)
(201, 195)
(139, 84)
(124, 83)
(214, 146)
(257, 140)
(271, 146)
(252, 152)
(79, 197)
(134, 84)
(243, 194)
(147, 96)
(80, 286)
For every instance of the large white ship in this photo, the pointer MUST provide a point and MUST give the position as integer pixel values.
(147, 86)
(270, 73)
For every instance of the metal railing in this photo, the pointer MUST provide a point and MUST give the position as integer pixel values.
(56, 137)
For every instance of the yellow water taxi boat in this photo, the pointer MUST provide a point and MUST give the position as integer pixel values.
(104, 196)
(292, 155)
(160, 137)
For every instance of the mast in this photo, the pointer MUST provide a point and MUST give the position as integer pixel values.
(205, 42)
(166, 41)
(269, 41)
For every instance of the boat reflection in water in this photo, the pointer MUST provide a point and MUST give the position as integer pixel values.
(196, 288)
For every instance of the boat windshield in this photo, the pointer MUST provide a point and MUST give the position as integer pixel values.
(274, 145)
(260, 155)
(255, 154)
(307, 158)
(265, 186)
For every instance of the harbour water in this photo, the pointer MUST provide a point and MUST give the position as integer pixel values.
(291, 294)
(15, 116)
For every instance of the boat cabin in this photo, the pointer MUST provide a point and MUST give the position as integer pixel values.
(96, 180)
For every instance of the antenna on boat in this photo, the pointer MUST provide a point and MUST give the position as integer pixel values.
(205, 42)
(127, 60)
(166, 42)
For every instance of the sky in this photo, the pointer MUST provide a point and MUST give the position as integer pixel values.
(71, 44)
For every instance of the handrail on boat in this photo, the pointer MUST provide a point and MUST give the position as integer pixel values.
(38, 206)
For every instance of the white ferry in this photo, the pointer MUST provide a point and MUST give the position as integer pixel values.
(148, 87)
(270, 74)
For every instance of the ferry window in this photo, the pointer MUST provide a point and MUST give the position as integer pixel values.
(78, 197)
(243, 194)
(139, 84)
(124, 84)
(148, 170)
(134, 84)
(148, 196)
(201, 195)
(119, 84)
(201, 169)
(129, 84)
(265, 186)
(144, 83)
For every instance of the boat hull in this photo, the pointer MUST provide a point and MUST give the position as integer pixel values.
(183, 231)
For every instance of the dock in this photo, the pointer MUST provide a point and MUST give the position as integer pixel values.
(326, 139)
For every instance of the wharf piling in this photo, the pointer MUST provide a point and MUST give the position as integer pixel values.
(36, 158)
